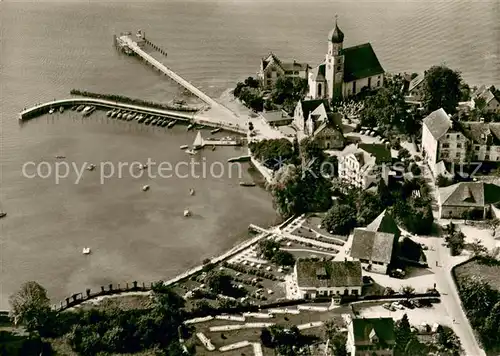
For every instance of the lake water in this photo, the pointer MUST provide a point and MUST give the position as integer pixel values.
(48, 48)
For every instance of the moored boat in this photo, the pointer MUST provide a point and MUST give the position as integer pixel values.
(145, 188)
(215, 130)
(171, 124)
(191, 152)
(89, 111)
(73, 108)
(153, 122)
(61, 109)
(247, 184)
(51, 110)
(190, 126)
(183, 147)
(86, 250)
(3, 214)
(187, 213)
(80, 108)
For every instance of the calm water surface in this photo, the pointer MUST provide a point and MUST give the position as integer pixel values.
(48, 48)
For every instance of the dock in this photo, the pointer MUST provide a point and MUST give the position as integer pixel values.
(200, 142)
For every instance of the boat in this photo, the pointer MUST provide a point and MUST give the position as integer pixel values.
(91, 167)
(239, 159)
(145, 188)
(191, 152)
(153, 122)
(147, 121)
(191, 191)
(213, 148)
(159, 122)
(80, 108)
(190, 126)
(113, 113)
(200, 127)
(171, 124)
(85, 110)
(214, 131)
(51, 111)
(60, 157)
(164, 123)
(86, 250)
(3, 214)
(61, 109)
(198, 142)
(247, 184)
(73, 108)
(89, 111)
(108, 113)
(183, 147)
(187, 213)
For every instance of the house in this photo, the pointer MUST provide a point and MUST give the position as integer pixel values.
(491, 101)
(371, 336)
(317, 277)
(345, 71)
(328, 133)
(277, 117)
(444, 139)
(272, 68)
(363, 165)
(374, 246)
(307, 112)
(474, 198)
(416, 88)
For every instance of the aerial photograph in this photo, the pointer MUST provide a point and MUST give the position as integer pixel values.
(250, 177)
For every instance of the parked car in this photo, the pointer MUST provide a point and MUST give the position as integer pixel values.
(397, 273)
(416, 303)
(407, 304)
(397, 305)
(388, 306)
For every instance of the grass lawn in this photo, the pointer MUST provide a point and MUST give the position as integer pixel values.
(491, 274)
(309, 254)
(314, 221)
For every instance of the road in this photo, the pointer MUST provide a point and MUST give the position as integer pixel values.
(449, 297)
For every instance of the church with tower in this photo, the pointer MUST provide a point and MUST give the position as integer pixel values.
(345, 71)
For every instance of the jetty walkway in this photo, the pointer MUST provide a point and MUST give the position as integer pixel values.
(218, 113)
(45, 107)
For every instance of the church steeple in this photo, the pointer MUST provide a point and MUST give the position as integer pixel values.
(336, 35)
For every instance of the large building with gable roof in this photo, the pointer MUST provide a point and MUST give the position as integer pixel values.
(345, 71)
(370, 337)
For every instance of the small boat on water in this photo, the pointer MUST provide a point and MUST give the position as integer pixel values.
(153, 122)
(147, 121)
(191, 152)
(86, 109)
(164, 123)
(86, 250)
(141, 120)
(91, 167)
(187, 213)
(191, 191)
(183, 147)
(145, 188)
(214, 131)
(51, 111)
(3, 214)
(61, 109)
(60, 157)
(247, 184)
(190, 126)
(73, 108)
(80, 108)
(108, 113)
(89, 111)
(119, 115)
(213, 148)
(171, 124)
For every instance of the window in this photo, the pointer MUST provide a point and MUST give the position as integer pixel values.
(459, 145)
(476, 148)
(378, 83)
(487, 157)
(268, 75)
(446, 145)
(296, 72)
(354, 87)
(476, 157)
(268, 82)
(447, 136)
(330, 60)
(339, 68)
(369, 82)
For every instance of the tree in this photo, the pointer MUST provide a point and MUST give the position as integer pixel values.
(30, 306)
(283, 258)
(403, 335)
(490, 331)
(407, 291)
(478, 249)
(441, 89)
(456, 242)
(494, 223)
(268, 248)
(266, 337)
(219, 283)
(443, 181)
(480, 104)
(340, 219)
(250, 126)
(288, 91)
(403, 154)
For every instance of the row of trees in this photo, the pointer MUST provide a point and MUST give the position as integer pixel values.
(482, 304)
(112, 331)
(270, 249)
(274, 152)
(358, 208)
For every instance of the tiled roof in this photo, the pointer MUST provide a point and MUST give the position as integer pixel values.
(334, 273)
(416, 81)
(310, 105)
(484, 93)
(294, 66)
(318, 73)
(276, 115)
(271, 58)
(438, 122)
(360, 62)
(372, 245)
(383, 328)
(482, 132)
(384, 223)
(469, 194)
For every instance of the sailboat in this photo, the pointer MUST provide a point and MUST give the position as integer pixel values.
(198, 142)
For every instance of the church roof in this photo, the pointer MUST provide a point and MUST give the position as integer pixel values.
(336, 35)
(318, 73)
(360, 62)
(310, 105)
(384, 223)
